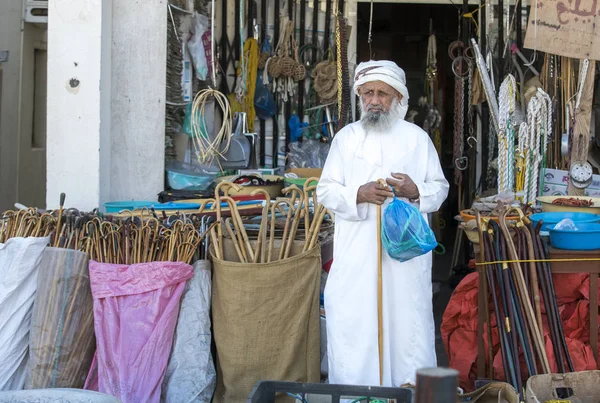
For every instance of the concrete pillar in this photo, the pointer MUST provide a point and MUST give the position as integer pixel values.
(139, 53)
(106, 100)
(78, 124)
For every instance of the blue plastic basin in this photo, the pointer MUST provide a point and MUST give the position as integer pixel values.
(551, 219)
(115, 207)
(587, 237)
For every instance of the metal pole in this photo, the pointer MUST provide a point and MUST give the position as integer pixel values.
(263, 38)
(500, 43)
(301, 41)
(326, 43)
(436, 385)
(288, 104)
(315, 30)
(276, 116)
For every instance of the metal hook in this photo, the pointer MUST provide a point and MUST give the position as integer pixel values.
(464, 160)
(470, 139)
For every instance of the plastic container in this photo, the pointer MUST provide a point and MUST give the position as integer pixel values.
(552, 218)
(547, 206)
(182, 176)
(118, 206)
(265, 391)
(587, 237)
(56, 396)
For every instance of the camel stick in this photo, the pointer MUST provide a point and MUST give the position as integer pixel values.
(533, 274)
(218, 188)
(241, 256)
(260, 247)
(287, 225)
(235, 215)
(58, 221)
(525, 300)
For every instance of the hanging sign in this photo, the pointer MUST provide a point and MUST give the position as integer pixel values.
(565, 27)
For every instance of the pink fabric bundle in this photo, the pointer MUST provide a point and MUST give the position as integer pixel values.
(135, 314)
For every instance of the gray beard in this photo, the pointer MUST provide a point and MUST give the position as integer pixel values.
(380, 121)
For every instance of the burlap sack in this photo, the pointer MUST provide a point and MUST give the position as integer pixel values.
(265, 321)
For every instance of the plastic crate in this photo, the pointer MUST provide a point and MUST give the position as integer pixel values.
(265, 392)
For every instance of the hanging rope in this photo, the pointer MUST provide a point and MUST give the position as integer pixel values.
(344, 98)
(206, 148)
(459, 129)
(506, 138)
(243, 100)
(539, 122)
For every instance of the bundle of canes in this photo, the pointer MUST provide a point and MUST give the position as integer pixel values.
(525, 299)
(559, 343)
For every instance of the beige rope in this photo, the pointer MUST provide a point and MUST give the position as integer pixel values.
(206, 148)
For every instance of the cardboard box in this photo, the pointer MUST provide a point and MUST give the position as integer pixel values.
(306, 172)
(554, 190)
(261, 171)
(557, 177)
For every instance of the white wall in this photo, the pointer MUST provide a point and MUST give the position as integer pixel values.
(139, 51)
(106, 134)
(78, 83)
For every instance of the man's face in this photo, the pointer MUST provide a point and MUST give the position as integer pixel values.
(378, 96)
(379, 106)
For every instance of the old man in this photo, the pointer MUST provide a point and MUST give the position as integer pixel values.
(382, 145)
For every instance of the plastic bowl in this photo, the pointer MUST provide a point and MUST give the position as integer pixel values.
(552, 218)
(547, 206)
(118, 206)
(587, 237)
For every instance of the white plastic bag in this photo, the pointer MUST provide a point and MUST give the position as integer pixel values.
(196, 47)
(566, 225)
(191, 374)
(19, 265)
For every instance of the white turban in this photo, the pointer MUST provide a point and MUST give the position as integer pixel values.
(382, 70)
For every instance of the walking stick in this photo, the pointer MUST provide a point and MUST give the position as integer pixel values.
(380, 289)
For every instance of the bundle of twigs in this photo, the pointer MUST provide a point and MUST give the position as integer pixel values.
(294, 209)
(515, 292)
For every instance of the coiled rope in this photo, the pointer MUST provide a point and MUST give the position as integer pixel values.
(506, 135)
(206, 148)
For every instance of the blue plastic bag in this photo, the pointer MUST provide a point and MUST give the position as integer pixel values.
(405, 233)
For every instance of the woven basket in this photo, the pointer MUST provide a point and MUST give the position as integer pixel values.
(299, 72)
(274, 68)
(287, 66)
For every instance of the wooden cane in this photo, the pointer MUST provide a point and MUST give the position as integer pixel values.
(58, 221)
(380, 289)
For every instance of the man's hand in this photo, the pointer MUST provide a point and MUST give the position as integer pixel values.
(373, 193)
(403, 186)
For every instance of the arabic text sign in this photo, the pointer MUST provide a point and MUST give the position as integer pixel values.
(565, 28)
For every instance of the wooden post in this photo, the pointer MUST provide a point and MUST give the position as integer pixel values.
(583, 117)
(436, 385)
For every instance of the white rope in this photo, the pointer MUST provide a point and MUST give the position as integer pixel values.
(206, 148)
(584, 70)
(539, 122)
(506, 136)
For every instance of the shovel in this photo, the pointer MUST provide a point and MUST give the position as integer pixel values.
(240, 150)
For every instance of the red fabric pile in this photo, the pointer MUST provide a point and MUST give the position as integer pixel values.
(459, 328)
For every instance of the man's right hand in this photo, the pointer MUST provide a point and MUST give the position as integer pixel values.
(373, 193)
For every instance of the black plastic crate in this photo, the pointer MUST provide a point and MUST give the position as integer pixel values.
(265, 392)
